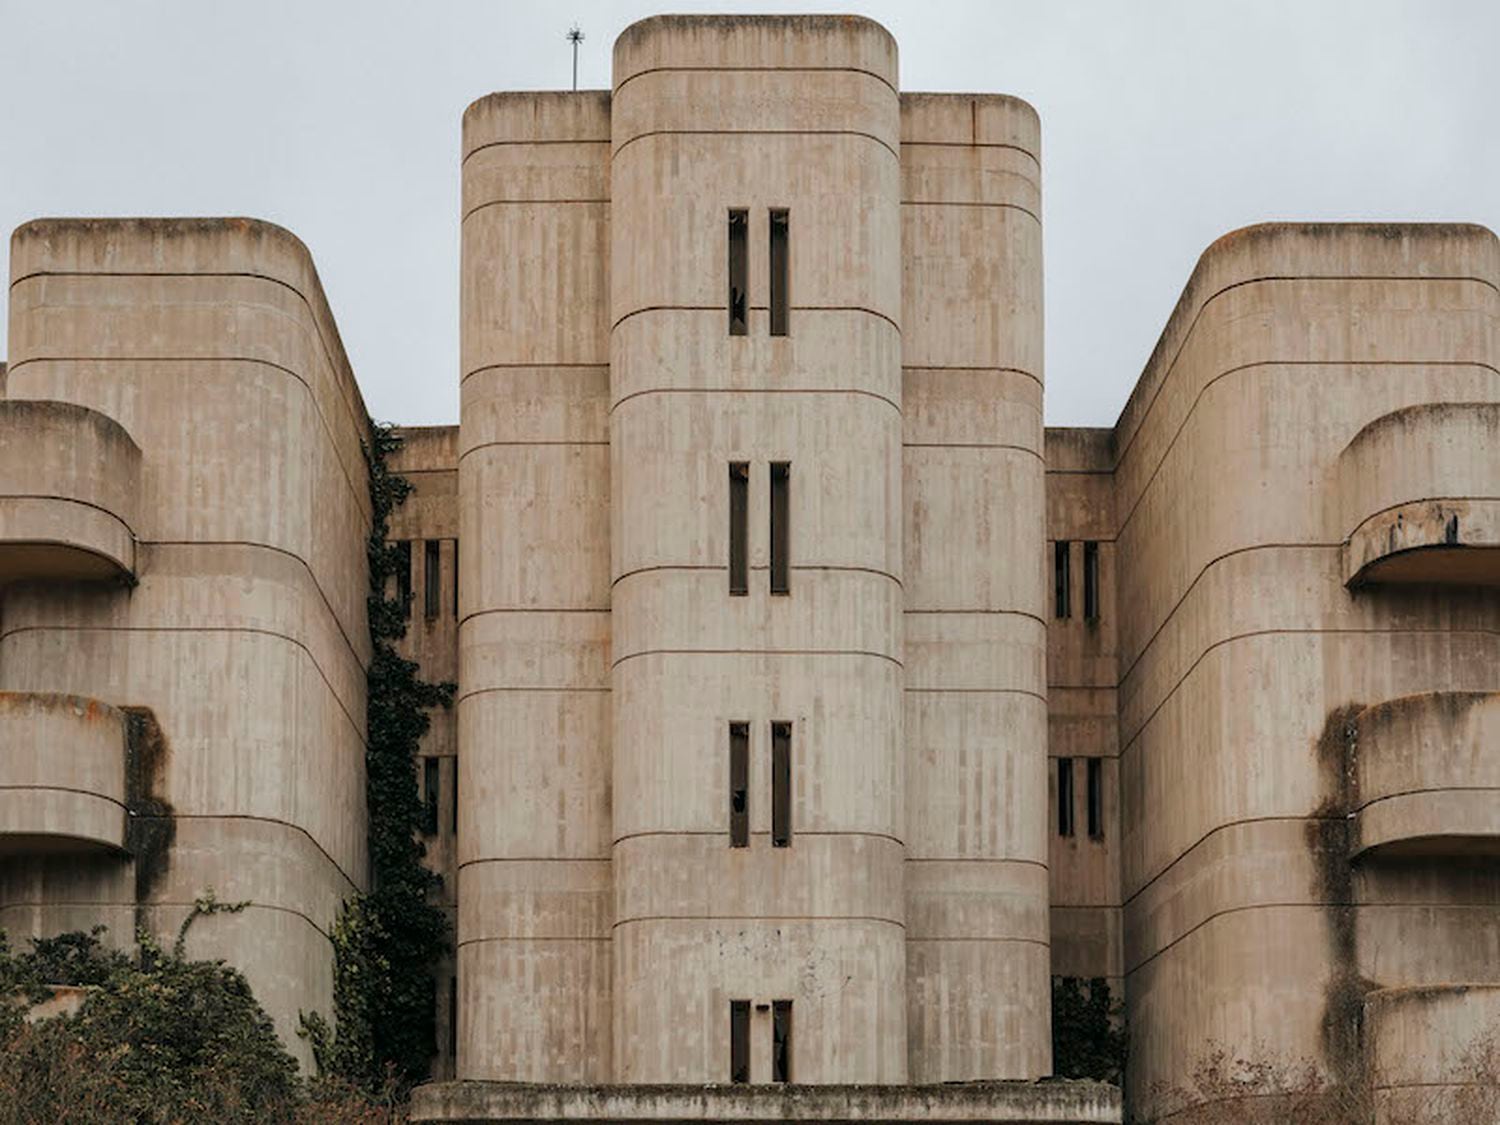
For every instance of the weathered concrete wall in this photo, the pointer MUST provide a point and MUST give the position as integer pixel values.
(209, 342)
(62, 774)
(711, 114)
(1243, 658)
(994, 1103)
(534, 883)
(428, 459)
(973, 496)
(1082, 708)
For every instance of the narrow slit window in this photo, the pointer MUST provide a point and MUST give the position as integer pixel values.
(455, 580)
(432, 579)
(1065, 796)
(429, 796)
(739, 1041)
(403, 574)
(453, 799)
(779, 271)
(739, 528)
(781, 547)
(1091, 581)
(453, 1017)
(781, 785)
(1096, 797)
(781, 1041)
(739, 785)
(739, 272)
(1062, 566)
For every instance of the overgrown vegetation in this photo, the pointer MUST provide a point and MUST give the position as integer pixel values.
(158, 1038)
(387, 941)
(1088, 1033)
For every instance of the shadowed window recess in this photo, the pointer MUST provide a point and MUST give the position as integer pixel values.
(1095, 797)
(781, 784)
(739, 785)
(1062, 578)
(739, 273)
(430, 796)
(432, 579)
(1091, 581)
(779, 271)
(739, 528)
(739, 1041)
(781, 532)
(1065, 796)
(781, 1041)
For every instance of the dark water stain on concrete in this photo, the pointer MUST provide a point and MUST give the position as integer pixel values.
(151, 825)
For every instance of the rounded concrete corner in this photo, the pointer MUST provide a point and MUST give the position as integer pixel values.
(520, 116)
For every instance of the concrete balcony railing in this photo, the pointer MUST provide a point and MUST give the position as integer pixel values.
(1419, 495)
(1432, 1051)
(69, 478)
(62, 773)
(1427, 768)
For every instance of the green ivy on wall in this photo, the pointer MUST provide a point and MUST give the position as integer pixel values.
(387, 941)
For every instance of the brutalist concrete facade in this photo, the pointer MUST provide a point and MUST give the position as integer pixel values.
(816, 706)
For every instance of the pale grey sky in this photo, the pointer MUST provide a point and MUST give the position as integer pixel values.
(1164, 124)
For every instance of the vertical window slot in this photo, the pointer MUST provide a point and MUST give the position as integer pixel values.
(779, 271)
(1065, 796)
(739, 527)
(739, 1041)
(739, 785)
(403, 574)
(430, 796)
(455, 580)
(781, 547)
(1062, 566)
(781, 1041)
(739, 272)
(781, 784)
(453, 1017)
(432, 579)
(1096, 797)
(1091, 581)
(453, 798)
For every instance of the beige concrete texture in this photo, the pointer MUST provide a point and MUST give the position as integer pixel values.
(533, 729)
(1242, 657)
(210, 342)
(974, 498)
(1433, 1052)
(1418, 495)
(68, 506)
(62, 782)
(755, 113)
(1000, 1103)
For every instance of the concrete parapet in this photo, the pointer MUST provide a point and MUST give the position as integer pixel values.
(1419, 493)
(993, 1103)
(1433, 1052)
(69, 478)
(62, 773)
(1427, 769)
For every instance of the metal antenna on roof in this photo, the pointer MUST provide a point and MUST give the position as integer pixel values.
(575, 37)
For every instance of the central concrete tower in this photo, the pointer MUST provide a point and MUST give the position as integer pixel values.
(755, 398)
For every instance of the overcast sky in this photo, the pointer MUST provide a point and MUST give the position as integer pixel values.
(1164, 124)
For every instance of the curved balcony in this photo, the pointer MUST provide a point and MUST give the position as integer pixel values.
(1430, 1051)
(1419, 493)
(1428, 775)
(69, 477)
(62, 774)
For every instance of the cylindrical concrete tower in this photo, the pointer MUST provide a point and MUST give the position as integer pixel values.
(533, 704)
(756, 415)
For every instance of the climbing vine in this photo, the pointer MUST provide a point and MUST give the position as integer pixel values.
(1088, 1038)
(387, 941)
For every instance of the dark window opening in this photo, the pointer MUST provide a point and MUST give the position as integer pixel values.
(1065, 796)
(781, 784)
(739, 1041)
(779, 272)
(455, 580)
(453, 798)
(739, 272)
(781, 549)
(1096, 797)
(739, 527)
(1091, 581)
(739, 785)
(453, 1017)
(430, 795)
(432, 579)
(781, 1041)
(1062, 576)
(403, 574)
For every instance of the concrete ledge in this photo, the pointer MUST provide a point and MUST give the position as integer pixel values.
(1428, 775)
(62, 774)
(1419, 494)
(69, 478)
(1053, 1102)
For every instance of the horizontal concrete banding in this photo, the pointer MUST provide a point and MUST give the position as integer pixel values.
(58, 537)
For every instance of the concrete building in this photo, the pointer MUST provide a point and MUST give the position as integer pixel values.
(816, 706)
